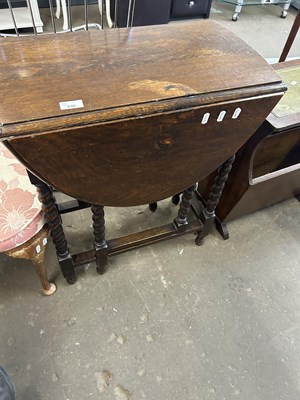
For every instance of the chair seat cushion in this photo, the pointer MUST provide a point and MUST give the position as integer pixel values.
(21, 215)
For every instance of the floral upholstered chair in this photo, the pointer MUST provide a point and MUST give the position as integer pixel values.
(23, 233)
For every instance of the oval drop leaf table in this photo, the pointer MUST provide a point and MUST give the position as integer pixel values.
(130, 116)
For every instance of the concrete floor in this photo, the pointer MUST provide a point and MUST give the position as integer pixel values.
(171, 321)
(260, 26)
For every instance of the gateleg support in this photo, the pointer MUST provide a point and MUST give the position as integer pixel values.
(54, 222)
(101, 253)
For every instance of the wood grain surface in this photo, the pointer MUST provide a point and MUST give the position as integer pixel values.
(122, 67)
(266, 169)
(141, 160)
(159, 107)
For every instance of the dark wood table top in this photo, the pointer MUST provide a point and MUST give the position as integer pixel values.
(121, 68)
(130, 116)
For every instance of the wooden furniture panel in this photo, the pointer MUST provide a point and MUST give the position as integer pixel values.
(268, 190)
(138, 161)
(131, 116)
(140, 69)
(267, 167)
(277, 152)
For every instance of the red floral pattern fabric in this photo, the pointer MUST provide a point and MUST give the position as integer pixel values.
(21, 215)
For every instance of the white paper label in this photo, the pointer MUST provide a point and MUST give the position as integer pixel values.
(236, 113)
(221, 116)
(69, 105)
(205, 118)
